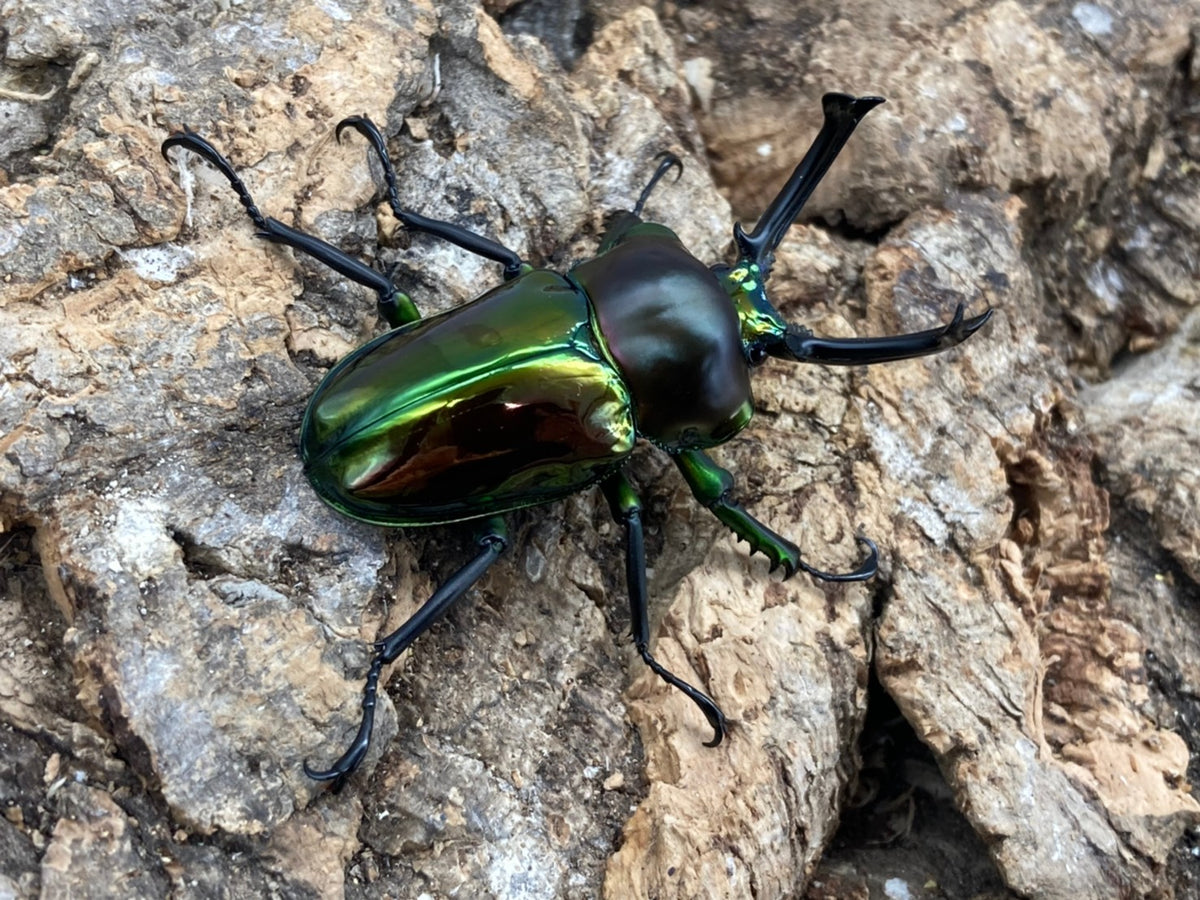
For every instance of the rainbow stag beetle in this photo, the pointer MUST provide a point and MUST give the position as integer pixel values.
(540, 387)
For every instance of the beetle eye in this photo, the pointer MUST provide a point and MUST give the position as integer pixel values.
(756, 354)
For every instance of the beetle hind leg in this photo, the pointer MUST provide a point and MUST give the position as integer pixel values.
(395, 306)
(627, 509)
(492, 541)
(447, 231)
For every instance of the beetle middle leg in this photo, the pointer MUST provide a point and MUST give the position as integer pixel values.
(493, 538)
(627, 509)
(447, 231)
(712, 485)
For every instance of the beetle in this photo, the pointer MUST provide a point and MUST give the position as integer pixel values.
(541, 386)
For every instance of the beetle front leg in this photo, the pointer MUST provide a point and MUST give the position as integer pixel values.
(627, 509)
(712, 486)
(492, 541)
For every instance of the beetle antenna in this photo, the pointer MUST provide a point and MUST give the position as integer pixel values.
(842, 115)
(669, 161)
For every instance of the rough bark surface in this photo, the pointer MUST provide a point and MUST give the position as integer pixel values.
(1009, 709)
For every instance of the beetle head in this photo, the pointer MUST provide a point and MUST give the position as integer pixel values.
(764, 331)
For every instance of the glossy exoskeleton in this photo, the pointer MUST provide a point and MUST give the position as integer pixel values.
(540, 387)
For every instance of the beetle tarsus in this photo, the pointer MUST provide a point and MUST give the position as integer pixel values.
(800, 345)
(493, 539)
(865, 571)
(339, 773)
(190, 140)
(627, 510)
(713, 486)
(669, 161)
(711, 711)
(275, 231)
(447, 231)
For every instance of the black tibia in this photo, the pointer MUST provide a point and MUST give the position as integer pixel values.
(627, 509)
(712, 485)
(274, 230)
(802, 346)
(447, 231)
(842, 115)
(493, 539)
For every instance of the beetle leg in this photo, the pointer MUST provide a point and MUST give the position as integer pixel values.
(620, 223)
(395, 306)
(447, 231)
(712, 486)
(627, 509)
(800, 344)
(668, 162)
(842, 115)
(492, 541)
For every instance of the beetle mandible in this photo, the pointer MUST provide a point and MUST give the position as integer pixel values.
(541, 386)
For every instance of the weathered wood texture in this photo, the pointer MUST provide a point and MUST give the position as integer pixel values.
(182, 622)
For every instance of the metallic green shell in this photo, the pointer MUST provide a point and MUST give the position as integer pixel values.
(501, 403)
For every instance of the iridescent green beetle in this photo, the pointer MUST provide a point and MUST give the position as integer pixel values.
(540, 387)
